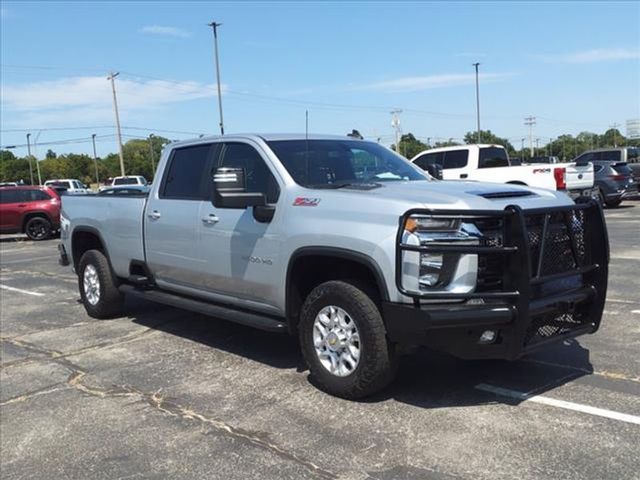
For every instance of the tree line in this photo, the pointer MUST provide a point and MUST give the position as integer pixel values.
(140, 158)
(142, 155)
(566, 147)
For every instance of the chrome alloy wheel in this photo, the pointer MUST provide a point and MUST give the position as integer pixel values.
(91, 284)
(336, 340)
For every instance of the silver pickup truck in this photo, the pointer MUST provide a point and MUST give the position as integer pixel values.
(348, 246)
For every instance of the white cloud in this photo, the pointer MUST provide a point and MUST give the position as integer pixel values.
(418, 83)
(166, 31)
(89, 98)
(594, 55)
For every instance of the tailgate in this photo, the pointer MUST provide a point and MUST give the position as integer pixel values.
(578, 176)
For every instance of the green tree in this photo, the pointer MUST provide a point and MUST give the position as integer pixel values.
(410, 146)
(488, 136)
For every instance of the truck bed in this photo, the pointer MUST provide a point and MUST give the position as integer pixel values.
(117, 219)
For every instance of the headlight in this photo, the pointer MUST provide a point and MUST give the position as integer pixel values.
(426, 271)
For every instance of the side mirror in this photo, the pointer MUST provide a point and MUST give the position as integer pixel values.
(435, 170)
(230, 190)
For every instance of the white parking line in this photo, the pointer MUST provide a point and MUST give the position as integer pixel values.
(19, 290)
(635, 311)
(600, 412)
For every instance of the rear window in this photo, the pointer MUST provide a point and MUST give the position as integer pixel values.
(622, 169)
(58, 184)
(455, 159)
(491, 157)
(126, 181)
(633, 154)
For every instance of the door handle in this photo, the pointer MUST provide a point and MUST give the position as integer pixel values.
(155, 215)
(22, 205)
(211, 219)
(463, 175)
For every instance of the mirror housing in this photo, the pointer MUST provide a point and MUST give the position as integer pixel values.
(230, 190)
(435, 170)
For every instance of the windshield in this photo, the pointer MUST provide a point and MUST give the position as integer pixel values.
(326, 163)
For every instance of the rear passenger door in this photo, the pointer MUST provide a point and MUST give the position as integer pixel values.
(454, 164)
(172, 217)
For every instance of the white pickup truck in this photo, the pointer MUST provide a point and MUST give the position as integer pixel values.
(490, 163)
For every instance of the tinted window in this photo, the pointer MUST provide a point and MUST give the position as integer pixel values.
(58, 183)
(9, 196)
(258, 177)
(633, 154)
(34, 195)
(610, 156)
(321, 163)
(622, 169)
(455, 159)
(492, 157)
(186, 173)
(597, 168)
(429, 159)
(125, 181)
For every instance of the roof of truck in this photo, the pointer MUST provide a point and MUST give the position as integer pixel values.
(269, 137)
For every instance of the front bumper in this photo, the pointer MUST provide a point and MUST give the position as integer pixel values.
(535, 303)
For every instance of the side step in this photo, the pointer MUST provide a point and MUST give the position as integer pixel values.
(256, 320)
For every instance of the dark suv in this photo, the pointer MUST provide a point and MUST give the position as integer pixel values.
(32, 210)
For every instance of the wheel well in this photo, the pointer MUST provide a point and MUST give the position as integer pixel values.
(83, 241)
(31, 215)
(308, 271)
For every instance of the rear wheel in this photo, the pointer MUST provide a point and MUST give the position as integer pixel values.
(613, 203)
(98, 288)
(344, 342)
(38, 228)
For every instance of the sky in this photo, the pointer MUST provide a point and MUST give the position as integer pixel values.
(573, 65)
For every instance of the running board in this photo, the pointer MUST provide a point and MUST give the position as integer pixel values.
(250, 319)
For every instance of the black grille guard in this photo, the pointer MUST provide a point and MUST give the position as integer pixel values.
(522, 278)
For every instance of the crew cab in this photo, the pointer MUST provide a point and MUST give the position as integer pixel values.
(490, 163)
(348, 246)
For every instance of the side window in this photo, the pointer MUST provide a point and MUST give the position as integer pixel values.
(493, 157)
(427, 159)
(35, 196)
(9, 196)
(586, 158)
(186, 173)
(597, 168)
(610, 155)
(455, 159)
(258, 176)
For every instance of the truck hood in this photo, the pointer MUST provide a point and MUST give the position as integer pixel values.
(462, 195)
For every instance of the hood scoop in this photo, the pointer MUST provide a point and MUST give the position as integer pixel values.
(504, 194)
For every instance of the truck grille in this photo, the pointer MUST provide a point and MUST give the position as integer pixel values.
(564, 246)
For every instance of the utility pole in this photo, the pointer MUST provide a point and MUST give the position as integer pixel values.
(522, 145)
(549, 145)
(29, 155)
(614, 127)
(112, 77)
(95, 157)
(153, 164)
(395, 123)
(214, 26)
(538, 144)
(477, 100)
(530, 122)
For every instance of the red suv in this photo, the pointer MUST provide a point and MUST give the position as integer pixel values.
(32, 210)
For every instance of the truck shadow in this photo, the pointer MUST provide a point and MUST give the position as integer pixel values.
(426, 379)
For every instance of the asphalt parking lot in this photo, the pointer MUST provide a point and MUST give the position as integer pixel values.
(163, 393)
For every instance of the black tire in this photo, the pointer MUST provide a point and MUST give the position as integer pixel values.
(377, 364)
(600, 197)
(38, 228)
(110, 300)
(613, 203)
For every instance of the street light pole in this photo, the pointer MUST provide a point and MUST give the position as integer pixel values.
(477, 99)
(214, 26)
(29, 156)
(112, 77)
(95, 157)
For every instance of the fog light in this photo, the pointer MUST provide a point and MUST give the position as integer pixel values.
(430, 268)
(488, 336)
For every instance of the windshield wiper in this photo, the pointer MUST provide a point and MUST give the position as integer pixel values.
(331, 186)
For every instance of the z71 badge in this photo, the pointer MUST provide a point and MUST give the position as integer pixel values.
(306, 202)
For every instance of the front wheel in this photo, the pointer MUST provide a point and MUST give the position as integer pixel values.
(613, 203)
(98, 288)
(344, 341)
